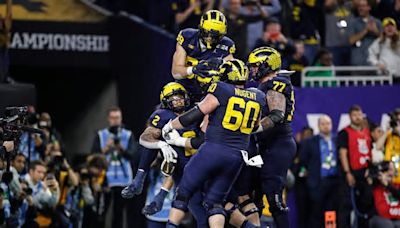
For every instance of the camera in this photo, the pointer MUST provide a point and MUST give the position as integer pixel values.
(375, 169)
(85, 176)
(28, 190)
(115, 131)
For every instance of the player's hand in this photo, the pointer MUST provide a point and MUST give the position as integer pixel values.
(175, 139)
(201, 67)
(215, 63)
(9, 145)
(166, 129)
(168, 152)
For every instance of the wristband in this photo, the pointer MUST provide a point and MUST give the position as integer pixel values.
(181, 142)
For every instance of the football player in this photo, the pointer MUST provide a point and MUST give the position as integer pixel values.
(233, 113)
(174, 101)
(275, 140)
(199, 52)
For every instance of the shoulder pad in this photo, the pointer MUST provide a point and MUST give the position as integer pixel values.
(185, 35)
(160, 117)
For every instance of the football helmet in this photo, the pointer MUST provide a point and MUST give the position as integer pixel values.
(212, 28)
(168, 95)
(266, 59)
(234, 72)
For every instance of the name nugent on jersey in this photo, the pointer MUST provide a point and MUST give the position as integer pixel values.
(244, 93)
(60, 42)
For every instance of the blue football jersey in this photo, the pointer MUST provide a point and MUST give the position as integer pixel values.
(233, 121)
(282, 85)
(160, 117)
(189, 39)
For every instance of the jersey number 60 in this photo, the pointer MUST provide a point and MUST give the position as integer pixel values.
(241, 121)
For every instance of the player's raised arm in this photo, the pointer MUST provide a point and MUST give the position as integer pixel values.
(179, 70)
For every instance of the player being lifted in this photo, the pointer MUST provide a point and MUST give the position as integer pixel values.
(199, 52)
(233, 113)
(174, 101)
(276, 143)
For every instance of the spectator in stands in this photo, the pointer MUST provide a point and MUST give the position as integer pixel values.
(337, 21)
(386, 198)
(45, 190)
(320, 158)
(255, 30)
(274, 38)
(5, 36)
(297, 62)
(388, 8)
(304, 27)
(322, 59)
(384, 52)
(354, 145)
(237, 25)
(118, 145)
(363, 30)
(189, 12)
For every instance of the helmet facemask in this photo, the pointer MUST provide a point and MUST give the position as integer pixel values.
(210, 38)
(177, 102)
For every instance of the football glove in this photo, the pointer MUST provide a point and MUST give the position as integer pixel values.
(175, 139)
(168, 152)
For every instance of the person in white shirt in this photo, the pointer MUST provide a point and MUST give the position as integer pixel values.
(384, 52)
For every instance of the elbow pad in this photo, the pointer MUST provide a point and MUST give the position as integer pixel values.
(196, 142)
(277, 116)
(190, 117)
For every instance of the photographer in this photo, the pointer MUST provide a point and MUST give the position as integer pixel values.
(67, 179)
(78, 198)
(52, 136)
(386, 196)
(94, 216)
(32, 145)
(45, 190)
(390, 142)
(118, 145)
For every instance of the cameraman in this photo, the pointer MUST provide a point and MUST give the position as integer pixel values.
(386, 197)
(118, 145)
(45, 190)
(67, 179)
(390, 143)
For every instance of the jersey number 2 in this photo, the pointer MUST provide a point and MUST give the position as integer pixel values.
(235, 119)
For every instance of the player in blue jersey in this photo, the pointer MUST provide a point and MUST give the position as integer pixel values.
(233, 113)
(275, 140)
(199, 52)
(174, 101)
